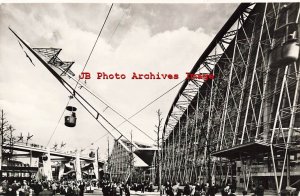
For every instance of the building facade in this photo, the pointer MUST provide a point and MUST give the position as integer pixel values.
(242, 126)
(132, 164)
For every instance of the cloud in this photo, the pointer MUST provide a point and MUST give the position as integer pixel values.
(150, 38)
(164, 17)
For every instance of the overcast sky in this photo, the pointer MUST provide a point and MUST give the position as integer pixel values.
(141, 38)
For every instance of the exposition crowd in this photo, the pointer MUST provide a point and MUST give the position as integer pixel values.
(68, 188)
(78, 188)
(44, 187)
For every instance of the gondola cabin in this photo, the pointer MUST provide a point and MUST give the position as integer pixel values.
(70, 120)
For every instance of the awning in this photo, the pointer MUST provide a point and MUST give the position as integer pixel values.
(247, 149)
(146, 155)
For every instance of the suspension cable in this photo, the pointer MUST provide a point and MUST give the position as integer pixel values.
(81, 71)
(95, 44)
(59, 121)
(143, 108)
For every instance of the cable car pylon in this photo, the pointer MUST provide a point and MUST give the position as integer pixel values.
(58, 68)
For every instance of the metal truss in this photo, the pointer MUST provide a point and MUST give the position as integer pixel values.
(61, 71)
(121, 163)
(248, 116)
(188, 131)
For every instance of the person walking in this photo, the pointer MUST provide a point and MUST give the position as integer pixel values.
(186, 190)
(81, 188)
(169, 189)
(197, 189)
(260, 190)
(127, 190)
(38, 188)
(54, 188)
(69, 190)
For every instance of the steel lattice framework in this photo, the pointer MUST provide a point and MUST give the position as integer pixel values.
(245, 122)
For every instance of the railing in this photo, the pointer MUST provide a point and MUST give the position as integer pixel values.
(40, 147)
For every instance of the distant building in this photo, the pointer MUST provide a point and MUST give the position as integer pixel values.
(16, 170)
(131, 163)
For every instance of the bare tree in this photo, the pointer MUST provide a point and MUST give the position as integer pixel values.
(131, 158)
(6, 135)
(158, 129)
(3, 125)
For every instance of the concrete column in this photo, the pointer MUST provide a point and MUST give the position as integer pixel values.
(78, 167)
(61, 170)
(39, 174)
(30, 159)
(47, 166)
(95, 164)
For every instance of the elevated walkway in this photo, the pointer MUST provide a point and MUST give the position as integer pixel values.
(38, 149)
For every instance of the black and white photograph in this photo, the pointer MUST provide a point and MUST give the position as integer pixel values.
(149, 98)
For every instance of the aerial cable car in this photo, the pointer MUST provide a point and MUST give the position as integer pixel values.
(70, 120)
